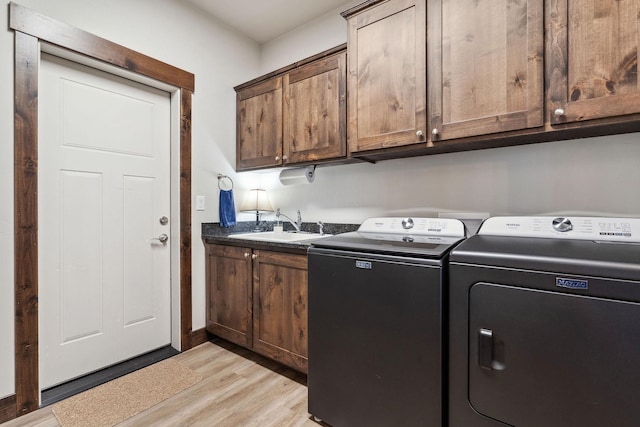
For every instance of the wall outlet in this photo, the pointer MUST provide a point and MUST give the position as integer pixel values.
(199, 203)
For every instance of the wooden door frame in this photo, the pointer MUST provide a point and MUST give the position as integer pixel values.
(31, 29)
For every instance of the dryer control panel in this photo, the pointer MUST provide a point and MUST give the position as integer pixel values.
(582, 228)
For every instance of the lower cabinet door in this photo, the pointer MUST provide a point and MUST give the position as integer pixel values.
(229, 293)
(280, 307)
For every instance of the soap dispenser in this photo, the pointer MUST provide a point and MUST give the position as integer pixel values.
(277, 226)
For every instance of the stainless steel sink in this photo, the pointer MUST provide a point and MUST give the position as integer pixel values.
(270, 236)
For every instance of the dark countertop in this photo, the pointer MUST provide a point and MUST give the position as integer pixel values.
(213, 233)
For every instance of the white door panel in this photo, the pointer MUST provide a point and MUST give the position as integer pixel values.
(80, 255)
(103, 184)
(131, 114)
(138, 229)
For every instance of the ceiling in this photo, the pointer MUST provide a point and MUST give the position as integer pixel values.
(264, 20)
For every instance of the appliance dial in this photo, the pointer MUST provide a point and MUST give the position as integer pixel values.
(407, 223)
(562, 225)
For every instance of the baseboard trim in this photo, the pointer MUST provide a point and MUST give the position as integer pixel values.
(199, 336)
(7, 408)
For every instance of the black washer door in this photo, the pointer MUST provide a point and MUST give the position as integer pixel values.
(540, 358)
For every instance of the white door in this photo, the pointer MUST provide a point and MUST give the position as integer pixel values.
(103, 187)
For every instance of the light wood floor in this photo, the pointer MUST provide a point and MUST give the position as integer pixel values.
(239, 388)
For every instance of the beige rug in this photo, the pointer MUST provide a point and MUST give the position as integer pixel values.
(124, 397)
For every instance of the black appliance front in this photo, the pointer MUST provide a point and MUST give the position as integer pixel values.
(547, 337)
(375, 340)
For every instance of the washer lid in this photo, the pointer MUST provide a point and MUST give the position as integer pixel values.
(421, 237)
(598, 229)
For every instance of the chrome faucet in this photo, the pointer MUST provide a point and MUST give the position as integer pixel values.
(297, 224)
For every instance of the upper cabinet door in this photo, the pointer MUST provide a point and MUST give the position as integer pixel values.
(486, 71)
(315, 111)
(593, 59)
(259, 125)
(386, 74)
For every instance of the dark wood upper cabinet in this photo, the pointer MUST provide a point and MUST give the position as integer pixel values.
(489, 73)
(386, 74)
(486, 72)
(315, 111)
(295, 115)
(593, 59)
(259, 125)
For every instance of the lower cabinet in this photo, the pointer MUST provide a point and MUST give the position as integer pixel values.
(229, 293)
(280, 307)
(258, 299)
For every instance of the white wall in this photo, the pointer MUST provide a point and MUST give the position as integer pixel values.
(598, 176)
(325, 32)
(169, 30)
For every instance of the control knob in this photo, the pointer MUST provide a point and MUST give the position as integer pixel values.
(407, 223)
(562, 224)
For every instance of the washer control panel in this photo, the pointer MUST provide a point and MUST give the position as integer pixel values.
(582, 228)
(414, 226)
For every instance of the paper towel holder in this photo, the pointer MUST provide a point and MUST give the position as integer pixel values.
(304, 175)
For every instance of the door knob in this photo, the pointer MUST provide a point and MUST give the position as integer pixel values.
(163, 238)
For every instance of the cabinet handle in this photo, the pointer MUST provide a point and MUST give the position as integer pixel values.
(559, 112)
(284, 157)
(277, 158)
(435, 132)
(246, 254)
(419, 134)
(254, 256)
